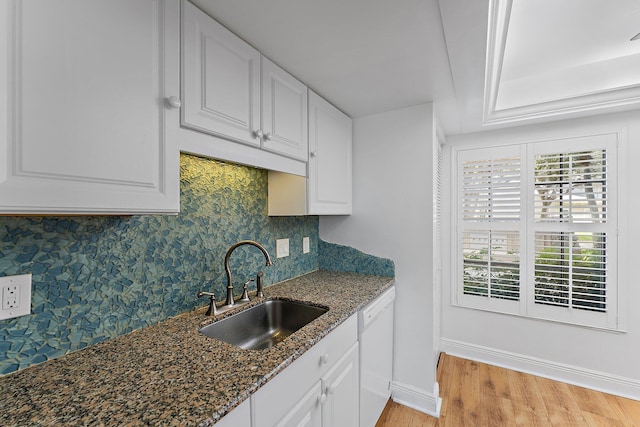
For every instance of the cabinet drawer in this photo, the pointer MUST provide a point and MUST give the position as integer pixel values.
(272, 401)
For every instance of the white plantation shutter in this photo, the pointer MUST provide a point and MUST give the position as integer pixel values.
(491, 269)
(573, 230)
(570, 270)
(537, 230)
(571, 187)
(489, 188)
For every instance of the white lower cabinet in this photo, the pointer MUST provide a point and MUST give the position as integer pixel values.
(332, 401)
(318, 389)
(341, 390)
(307, 411)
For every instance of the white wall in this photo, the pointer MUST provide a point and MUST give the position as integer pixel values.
(598, 359)
(392, 218)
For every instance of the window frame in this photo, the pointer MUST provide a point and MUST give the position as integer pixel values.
(527, 227)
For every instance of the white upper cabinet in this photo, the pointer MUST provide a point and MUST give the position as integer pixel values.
(221, 80)
(330, 170)
(284, 112)
(83, 117)
(230, 92)
(327, 190)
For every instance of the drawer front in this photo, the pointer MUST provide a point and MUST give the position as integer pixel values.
(272, 401)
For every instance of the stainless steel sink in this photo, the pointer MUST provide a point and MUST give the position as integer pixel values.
(263, 325)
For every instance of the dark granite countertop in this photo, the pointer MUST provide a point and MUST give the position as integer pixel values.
(169, 373)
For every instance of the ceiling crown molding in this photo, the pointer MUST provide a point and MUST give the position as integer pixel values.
(614, 99)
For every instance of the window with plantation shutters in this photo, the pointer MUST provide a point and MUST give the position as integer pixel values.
(537, 230)
(490, 224)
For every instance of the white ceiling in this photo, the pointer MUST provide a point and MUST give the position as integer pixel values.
(372, 56)
(581, 32)
(364, 56)
(581, 49)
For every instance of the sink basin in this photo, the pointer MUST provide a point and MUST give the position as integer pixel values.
(263, 325)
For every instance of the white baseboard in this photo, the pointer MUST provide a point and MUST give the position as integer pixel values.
(417, 399)
(596, 380)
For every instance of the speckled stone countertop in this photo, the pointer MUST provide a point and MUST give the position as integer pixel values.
(170, 374)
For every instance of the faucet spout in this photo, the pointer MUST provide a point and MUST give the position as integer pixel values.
(230, 301)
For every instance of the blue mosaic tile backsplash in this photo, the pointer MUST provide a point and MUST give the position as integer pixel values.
(97, 277)
(334, 257)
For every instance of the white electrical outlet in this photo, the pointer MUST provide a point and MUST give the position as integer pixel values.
(10, 297)
(15, 292)
(305, 245)
(282, 248)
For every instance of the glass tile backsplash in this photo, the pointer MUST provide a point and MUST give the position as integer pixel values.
(97, 277)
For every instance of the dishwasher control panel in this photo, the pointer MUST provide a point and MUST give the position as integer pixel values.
(377, 307)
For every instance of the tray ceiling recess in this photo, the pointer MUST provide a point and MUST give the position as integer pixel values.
(547, 58)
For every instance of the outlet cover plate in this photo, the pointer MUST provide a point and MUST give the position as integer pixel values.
(282, 248)
(305, 245)
(15, 294)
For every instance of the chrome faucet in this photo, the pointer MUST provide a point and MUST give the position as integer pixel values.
(230, 302)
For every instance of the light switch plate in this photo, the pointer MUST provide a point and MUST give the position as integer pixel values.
(305, 245)
(282, 248)
(15, 294)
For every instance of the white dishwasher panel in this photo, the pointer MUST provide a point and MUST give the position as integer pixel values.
(375, 328)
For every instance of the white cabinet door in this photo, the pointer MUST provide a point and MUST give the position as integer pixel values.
(327, 190)
(222, 100)
(220, 81)
(83, 116)
(306, 412)
(330, 138)
(340, 386)
(280, 401)
(284, 112)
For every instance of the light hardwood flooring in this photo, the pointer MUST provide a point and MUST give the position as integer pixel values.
(479, 395)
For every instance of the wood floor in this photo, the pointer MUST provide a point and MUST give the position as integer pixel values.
(479, 395)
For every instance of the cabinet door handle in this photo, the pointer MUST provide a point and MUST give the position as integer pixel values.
(174, 102)
(330, 389)
(258, 134)
(313, 154)
(267, 136)
(322, 398)
(324, 359)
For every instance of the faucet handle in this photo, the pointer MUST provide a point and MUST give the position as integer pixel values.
(245, 291)
(212, 310)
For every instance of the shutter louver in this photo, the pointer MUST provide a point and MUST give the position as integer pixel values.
(570, 270)
(491, 190)
(570, 187)
(491, 264)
